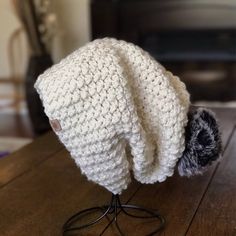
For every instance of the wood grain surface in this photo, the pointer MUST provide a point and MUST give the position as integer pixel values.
(40, 188)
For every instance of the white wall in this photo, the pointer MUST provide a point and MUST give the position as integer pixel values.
(73, 32)
(73, 26)
(8, 24)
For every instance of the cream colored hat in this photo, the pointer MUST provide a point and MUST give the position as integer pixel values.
(116, 110)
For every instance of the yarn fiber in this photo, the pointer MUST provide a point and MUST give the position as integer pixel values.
(203, 144)
(119, 111)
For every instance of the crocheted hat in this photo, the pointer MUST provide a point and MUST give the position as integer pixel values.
(116, 109)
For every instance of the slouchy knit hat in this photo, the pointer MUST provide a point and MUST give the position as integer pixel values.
(116, 110)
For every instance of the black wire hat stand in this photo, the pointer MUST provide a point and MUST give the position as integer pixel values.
(113, 209)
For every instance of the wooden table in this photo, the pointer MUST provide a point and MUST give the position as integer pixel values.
(40, 187)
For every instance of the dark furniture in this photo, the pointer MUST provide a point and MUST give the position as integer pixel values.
(173, 29)
(40, 187)
(184, 35)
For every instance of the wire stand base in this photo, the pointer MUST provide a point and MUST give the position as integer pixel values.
(114, 209)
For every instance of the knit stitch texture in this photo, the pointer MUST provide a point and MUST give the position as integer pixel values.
(203, 144)
(119, 110)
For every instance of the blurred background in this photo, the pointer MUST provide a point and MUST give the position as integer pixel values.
(195, 39)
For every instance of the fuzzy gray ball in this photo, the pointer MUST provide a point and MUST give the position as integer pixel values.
(203, 143)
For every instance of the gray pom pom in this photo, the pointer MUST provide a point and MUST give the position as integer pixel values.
(203, 143)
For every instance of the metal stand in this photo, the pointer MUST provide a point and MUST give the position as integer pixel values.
(114, 209)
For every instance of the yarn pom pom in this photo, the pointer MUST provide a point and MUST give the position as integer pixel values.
(203, 143)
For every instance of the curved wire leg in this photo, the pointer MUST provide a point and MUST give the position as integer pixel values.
(74, 218)
(114, 208)
(151, 215)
